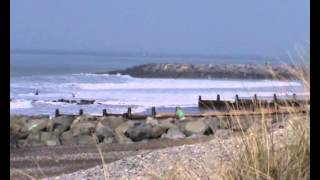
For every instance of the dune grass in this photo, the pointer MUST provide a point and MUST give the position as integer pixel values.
(266, 153)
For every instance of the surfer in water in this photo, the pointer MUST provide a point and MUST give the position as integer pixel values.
(37, 92)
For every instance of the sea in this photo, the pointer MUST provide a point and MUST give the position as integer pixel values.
(73, 77)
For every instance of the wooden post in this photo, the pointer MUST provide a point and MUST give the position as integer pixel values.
(237, 98)
(57, 113)
(129, 112)
(80, 112)
(153, 111)
(218, 97)
(255, 99)
(275, 97)
(237, 102)
(104, 112)
(294, 96)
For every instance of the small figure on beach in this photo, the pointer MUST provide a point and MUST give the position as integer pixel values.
(179, 113)
(37, 92)
(73, 95)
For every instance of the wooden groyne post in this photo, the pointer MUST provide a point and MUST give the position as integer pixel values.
(129, 112)
(153, 111)
(104, 112)
(237, 100)
(218, 97)
(57, 113)
(80, 112)
(294, 96)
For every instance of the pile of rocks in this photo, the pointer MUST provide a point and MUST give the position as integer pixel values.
(242, 71)
(78, 130)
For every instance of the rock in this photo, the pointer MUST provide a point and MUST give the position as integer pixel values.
(173, 133)
(112, 121)
(86, 118)
(196, 136)
(196, 127)
(18, 126)
(120, 133)
(213, 123)
(144, 131)
(82, 128)
(206, 70)
(152, 121)
(139, 133)
(156, 132)
(49, 139)
(167, 124)
(68, 139)
(85, 102)
(104, 132)
(13, 141)
(224, 122)
(241, 124)
(108, 140)
(62, 123)
(52, 142)
(222, 133)
(86, 139)
(33, 139)
(36, 125)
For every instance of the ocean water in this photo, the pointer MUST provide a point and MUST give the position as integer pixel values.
(60, 76)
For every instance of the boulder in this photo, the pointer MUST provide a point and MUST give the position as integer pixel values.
(82, 128)
(144, 131)
(151, 121)
(33, 139)
(86, 139)
(196, 127)
(167, 124)
(108, 140)
(103, 132)
(68, 139)
(224, 122)
(36, 125)
(213, 123)
(85, 102)
(18, 126)
(112, 121)
(222, 133)
(62, 123)
(173, 133)
(13, 141)
(86, 118)
(49, 139)
(241, 124)
(196, 136)
(120, 133)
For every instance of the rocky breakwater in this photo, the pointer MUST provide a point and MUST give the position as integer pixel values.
(30, 131)
(238, 71)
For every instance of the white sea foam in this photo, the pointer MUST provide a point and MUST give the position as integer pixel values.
(117, 92)
(185, 84)
(20, 104)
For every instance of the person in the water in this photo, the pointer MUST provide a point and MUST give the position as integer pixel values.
(37, 92)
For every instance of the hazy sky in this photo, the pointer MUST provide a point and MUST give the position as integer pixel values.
(244, 27)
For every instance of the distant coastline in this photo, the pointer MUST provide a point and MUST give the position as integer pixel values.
(210, 71)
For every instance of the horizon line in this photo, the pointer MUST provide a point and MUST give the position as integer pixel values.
(135, 53)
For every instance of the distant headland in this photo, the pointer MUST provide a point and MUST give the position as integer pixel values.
(208, 71)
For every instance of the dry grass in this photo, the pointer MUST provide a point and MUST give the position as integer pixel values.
(264, 153)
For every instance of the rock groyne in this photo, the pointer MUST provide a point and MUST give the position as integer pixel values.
(207, 71)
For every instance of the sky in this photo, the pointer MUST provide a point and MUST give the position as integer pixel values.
(231, 27)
